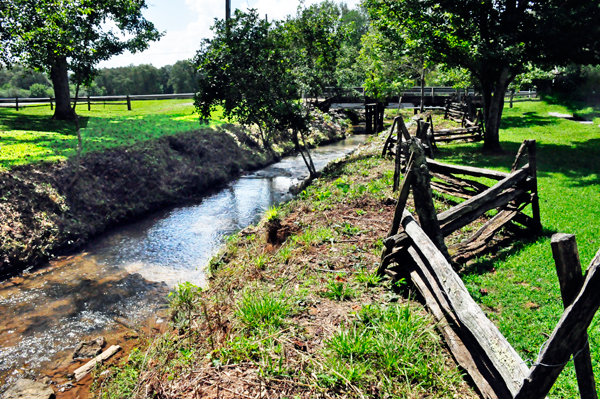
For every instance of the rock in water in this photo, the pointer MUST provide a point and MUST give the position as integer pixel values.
(89, 349)
(29, 389)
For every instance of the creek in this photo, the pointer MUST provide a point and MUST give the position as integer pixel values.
(123, 277)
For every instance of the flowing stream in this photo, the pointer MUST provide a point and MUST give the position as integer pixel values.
(123, 277)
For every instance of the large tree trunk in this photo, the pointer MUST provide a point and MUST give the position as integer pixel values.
(60, 81)
(493, 105)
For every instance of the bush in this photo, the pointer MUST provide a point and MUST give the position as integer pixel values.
(38, 90)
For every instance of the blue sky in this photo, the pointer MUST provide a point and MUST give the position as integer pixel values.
(186, 22)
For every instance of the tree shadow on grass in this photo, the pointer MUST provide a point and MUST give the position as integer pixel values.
(39, 123)
(575, 105)
(504, 248)
(526, 120)
(579, 162)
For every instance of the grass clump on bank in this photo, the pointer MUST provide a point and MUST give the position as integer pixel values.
(299, 314)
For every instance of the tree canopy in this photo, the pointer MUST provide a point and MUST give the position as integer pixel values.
(494, 40)
(314, 39)
(58, 36)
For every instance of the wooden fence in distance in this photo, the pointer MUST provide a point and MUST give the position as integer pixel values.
(18, 103)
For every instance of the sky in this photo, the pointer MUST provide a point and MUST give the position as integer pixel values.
(187, 22)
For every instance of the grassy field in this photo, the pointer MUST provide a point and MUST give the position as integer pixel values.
(30, 135)
(523, 294)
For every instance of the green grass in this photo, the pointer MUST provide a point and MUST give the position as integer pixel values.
(523, 293)
(259, 309)
(390, 346)
(30, 135)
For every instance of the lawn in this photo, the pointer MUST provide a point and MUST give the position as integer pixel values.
(30, 135)
(523, 296)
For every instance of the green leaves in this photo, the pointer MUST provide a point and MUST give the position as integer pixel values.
(246, 70)
(39, 33)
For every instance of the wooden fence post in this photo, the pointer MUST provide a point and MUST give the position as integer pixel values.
(402, 133)
(128, 103)
(568, 268)
(51, 104)
(367, 119)
(421, 185)
(568, 337)
(17, 102)
(512, 93)
(89, 103)
(535, 201)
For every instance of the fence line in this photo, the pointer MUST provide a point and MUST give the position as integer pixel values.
(16, 102)
(356, 93)
(420, 254)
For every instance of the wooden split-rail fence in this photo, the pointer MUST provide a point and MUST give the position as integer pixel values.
(417, 251)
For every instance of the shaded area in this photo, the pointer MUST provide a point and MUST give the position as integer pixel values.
(578, 161)
(586, 110)
(526, 120)
(40, 123)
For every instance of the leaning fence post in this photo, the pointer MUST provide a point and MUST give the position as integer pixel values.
(128, 103)
(535, 201)
(421, 185)
(367, 119)
(568, 269)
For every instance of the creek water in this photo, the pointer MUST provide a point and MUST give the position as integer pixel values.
(123, 277)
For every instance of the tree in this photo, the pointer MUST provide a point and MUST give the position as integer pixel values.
(244, 70)
(58, 36)
(494, 40)
(183, 77)
(384, 68)
(314, 39)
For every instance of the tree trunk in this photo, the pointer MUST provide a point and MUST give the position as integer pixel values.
(493, 104)
(60, 82)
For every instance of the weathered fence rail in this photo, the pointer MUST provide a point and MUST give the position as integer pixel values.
(419, 253)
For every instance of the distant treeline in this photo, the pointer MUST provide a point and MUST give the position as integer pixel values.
(134, 79)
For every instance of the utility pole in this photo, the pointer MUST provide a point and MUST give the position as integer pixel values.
(227, 11)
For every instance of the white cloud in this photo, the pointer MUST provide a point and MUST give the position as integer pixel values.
(182, 42)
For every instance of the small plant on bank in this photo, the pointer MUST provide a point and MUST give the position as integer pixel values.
(285, 253)
(272, 214)
(368, 279)
(257, 309)
(339, 290)
(182, 302)
(260, 261)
